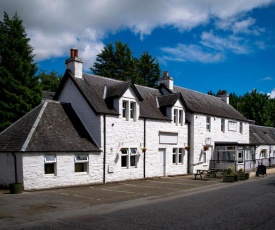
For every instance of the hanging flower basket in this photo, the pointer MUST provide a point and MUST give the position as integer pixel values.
(144, 150)
(205, 148)
(187, 147)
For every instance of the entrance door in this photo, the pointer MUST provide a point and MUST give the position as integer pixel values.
(162, 162)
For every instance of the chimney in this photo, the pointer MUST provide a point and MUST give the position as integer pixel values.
(167, 80)
(224, 96)
(74, 64)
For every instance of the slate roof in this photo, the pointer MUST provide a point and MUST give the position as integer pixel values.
(92, 89)
(50, 127)
(261, 135)
(47, 95)
(206, 104)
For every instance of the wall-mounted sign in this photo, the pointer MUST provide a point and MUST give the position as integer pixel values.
(232, 125)
(168, 138)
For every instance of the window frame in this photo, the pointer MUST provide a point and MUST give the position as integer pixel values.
(129, 110)
(178, 156)
(131, 159)
(48, 163)
(241, 127)
(223, 125)
(81, 163)
(208, 124)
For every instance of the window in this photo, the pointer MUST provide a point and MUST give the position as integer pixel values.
(129, 110)
(132, 110)
(222, 125)
(50, 164)
(263, 153)
(208, 124)
(177, 156)
(178, 117)
(241, 127)
(81, 163)
(203, 157)
(128, 157)
(124, 109)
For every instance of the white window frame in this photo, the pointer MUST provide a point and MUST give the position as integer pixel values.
(177, 156)
(84, 162)
(203, 157)
(223, 125)
(131, 155)
(129, 110)
(49, 162)
(177, 116)
(208, 123)
(241, 127)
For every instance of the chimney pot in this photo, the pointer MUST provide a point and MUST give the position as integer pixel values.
(76, 53)
(165, 74)
(72, 53)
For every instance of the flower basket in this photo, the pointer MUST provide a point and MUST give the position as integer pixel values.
(205, 148)
(228, 178)
(187, 147)
(144, 150)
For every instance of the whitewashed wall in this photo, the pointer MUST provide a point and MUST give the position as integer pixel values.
(71, 94)
(35, 178)
(199, 134)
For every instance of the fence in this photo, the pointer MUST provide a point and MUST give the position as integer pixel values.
(247, 165)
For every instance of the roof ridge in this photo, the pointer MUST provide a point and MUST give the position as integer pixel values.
(25, 145)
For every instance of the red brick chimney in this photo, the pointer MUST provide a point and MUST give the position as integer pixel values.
(74, 64)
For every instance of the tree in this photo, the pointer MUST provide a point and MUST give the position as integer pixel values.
(49, 81)
(148, 70)
(20, 89)
(119, 63)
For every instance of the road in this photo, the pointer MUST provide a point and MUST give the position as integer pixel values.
(166, 203)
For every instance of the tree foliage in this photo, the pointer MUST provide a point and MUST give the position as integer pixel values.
(119, 63)
(254, 106)
(49, 81)
(20, 89)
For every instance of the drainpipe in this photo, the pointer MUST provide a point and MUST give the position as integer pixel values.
(104, 148)
(144, 146)
(188, 143)
(15, 167)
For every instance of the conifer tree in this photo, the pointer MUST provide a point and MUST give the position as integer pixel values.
(20, 89)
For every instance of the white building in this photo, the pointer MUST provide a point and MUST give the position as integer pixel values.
(103, 130)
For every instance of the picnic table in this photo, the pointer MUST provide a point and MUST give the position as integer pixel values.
(210, 173)
(201, 172)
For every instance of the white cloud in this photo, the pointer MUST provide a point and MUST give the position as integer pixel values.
(231, 43)
(191, 53)
(266, 79)
(272, 94)
(56, 25)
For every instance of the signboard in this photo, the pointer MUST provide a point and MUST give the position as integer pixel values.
(232, 125)
(168, 138)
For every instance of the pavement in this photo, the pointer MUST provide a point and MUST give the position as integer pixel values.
(35, 206)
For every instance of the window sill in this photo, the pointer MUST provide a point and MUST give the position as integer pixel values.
(81, 173)
(50, 175)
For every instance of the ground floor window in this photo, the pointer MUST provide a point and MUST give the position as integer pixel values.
(129, 157)
(81, 163)
(203, 157)
(50, 164)
(177, 155)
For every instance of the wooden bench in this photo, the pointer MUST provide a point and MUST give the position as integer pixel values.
(198, 174)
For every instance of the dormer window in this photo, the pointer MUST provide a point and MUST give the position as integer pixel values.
(129, 110)
(208, 124)
(178, 116)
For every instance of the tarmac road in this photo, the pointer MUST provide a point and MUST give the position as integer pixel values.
(161, 203)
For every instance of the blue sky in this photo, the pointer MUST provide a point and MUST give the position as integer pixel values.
(203, 44)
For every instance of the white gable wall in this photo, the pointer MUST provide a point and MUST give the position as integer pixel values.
(91, 121)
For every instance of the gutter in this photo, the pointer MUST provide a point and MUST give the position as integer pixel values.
(104, 148)
(188, 143)
(144, 146)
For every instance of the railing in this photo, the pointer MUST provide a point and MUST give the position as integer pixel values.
(247, 165)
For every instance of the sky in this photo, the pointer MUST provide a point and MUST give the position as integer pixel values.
(203, 44)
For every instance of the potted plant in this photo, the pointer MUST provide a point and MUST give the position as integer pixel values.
(241, 174)
(229, 176)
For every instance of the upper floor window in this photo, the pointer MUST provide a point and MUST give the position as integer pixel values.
(241, 127)
(128, 157)
(178, 116)
(222, 125)
(129, 110)
(178, 156)
(208, 124)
